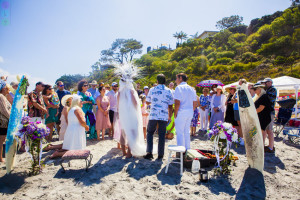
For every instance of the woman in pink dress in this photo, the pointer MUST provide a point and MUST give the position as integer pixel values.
(145, 114)
(102, 117)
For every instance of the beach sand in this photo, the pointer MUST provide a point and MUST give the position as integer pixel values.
(111, 176)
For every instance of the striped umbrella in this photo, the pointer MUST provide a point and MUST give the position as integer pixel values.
(209, 83)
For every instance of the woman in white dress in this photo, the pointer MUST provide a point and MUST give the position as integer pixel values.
(75, 137)
(66, 102)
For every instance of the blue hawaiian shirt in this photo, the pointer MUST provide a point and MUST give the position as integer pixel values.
(204, 101)
(160, 98)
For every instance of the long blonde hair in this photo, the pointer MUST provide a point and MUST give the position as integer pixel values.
(75, 102)
(262, 92)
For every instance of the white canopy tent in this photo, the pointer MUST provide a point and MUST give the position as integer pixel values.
(234, 84)
(288, 83)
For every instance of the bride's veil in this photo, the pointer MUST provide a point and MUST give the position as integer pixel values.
(130, 114)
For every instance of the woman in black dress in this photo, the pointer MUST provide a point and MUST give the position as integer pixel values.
(263, 108)
(229, 115)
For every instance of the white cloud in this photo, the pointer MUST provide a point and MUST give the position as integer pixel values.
(13, 77)
(1, 59)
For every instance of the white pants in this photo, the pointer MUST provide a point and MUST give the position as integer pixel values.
(182, 126)
(203, 119)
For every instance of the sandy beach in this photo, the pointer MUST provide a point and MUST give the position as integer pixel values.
(111, 176)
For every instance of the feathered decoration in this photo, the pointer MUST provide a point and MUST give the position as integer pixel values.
(126, 72)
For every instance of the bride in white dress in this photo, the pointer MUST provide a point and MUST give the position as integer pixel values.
(75, 137)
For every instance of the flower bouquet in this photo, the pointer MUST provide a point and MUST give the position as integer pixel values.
(32, 134)
(223, 135)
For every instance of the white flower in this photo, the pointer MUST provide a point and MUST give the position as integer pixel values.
(222, 135)
(229, 131)
(227, 125)
(20, 126)
(234, 137)
(41, 125)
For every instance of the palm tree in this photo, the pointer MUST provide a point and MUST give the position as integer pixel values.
(180, 36)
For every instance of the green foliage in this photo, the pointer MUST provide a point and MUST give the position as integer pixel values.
(181, 53)
(278, 46)
(225, 54)
(70, 80)
(228, 22)
(238, 29)
(122, 50)
(279, 60)
(249, 57)
(223, 61)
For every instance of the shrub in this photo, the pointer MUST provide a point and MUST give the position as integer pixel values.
(225, 54)
(279, 60)
(181, 53)
(249, 57)
(223, 61)
(238, 67)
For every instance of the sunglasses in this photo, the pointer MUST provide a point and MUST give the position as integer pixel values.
(61, 85)
(115, 86)
(85, 85)
(50, 88)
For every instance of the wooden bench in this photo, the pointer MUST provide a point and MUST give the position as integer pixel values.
(77, 155)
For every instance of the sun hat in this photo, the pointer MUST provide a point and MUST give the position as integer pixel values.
(94, 82)
(219, 87)
(230, 87)
(258, 85)
(65, 99)
(146, 87)
(267, 80)
(114, 84)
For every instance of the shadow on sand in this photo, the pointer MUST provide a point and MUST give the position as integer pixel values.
(173, 176)
(271, 161)
(105, 166)
(10, 183)
(252, 186)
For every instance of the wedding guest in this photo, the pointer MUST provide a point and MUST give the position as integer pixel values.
(107, 88)
(185, 104)
(229, 115)
(194, 121)
(66, 101)
(5, 109)
(102, 117)
(146, 91)
(52, 114)
(4, 78)
(88, 102)
(171, 87)
(272, 94)
(75, 137)
(154, 85)
(138, 89)
(251, 90)
(211, 93)
(145, 114)
(204, 109)
(36, 106)
(214, 88)
(263, 108)
(113, 109)
(61, 92)
(11, 95)
(95, 93)
(161, 100)
(218, 107)
(236, 112)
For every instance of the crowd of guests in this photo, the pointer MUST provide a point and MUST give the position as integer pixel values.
(166, 111)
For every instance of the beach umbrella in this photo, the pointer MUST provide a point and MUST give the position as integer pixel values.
(209, 83)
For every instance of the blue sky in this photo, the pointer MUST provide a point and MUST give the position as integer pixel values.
(49, 38)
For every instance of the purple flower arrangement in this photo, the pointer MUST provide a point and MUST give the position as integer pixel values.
(225, 131)
(32, 130)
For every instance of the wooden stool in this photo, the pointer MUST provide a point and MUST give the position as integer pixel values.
(75, 155)
(175, 148)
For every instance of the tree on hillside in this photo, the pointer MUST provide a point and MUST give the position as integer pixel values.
(295, 2)
(180, 36)
(122, 50)
(228, 22)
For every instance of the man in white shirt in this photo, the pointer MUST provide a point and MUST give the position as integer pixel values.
(185, 104)
(112, 96)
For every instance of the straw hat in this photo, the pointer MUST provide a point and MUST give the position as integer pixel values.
(258, 85)
(230, 87)
(94, 82)
(219, 87)
(65, 99)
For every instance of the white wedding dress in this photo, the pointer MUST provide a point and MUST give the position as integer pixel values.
(75, 138)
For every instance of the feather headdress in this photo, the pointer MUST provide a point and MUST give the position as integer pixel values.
(126, 71)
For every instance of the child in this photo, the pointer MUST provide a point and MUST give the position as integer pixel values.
(53, 100)
(194, 122)
(145, 114)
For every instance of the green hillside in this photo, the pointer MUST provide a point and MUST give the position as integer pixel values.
(269, 47)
